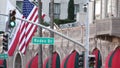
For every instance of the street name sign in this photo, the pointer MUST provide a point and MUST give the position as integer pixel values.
(3, 56)
(42, 40)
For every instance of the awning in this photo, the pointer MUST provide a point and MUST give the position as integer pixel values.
(55, 61)
(113, 59)
(33, 63)
(107, 60)
(98, 58)
(71, 61)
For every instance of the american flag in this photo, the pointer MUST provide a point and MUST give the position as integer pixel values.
(26, 31)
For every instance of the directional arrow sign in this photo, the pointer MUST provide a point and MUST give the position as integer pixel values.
(3, 56)
(42, 40)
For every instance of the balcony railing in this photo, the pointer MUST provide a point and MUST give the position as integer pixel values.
(109, 26)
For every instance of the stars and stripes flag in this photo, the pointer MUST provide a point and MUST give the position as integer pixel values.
(26, 31)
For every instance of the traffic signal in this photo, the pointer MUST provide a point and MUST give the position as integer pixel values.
(81, 60)
(92, 62)
(12, 19)
(5, 42)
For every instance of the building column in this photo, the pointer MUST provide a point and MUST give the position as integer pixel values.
(116, 8)
(105, 5)
(101, 8)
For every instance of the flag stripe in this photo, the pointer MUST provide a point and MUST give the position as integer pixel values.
(13, 45)
(32, 27)
(30, 33)
(22, 32)
(29, 39)
(33, 15)
(14, 42)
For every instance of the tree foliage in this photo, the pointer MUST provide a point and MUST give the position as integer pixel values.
(63, 21)
(71, 10)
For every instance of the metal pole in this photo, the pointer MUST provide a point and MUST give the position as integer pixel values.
(40, 33)
(87, 34)
(49, 29)
(51, 33)
(94, 10)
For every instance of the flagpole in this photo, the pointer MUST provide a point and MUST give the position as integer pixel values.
(51, 33)
(40, 33)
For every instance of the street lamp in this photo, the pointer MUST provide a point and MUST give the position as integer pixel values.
(85, 7)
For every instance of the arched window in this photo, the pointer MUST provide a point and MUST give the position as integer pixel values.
(18, 61)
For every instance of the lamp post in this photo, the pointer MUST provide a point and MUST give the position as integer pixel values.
(86, 10)
(85, 7)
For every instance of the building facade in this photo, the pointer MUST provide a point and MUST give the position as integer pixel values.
(104, 31)
(60, 8)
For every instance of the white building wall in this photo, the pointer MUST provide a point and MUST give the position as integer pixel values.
(63, 14)
(91, 12)
(63, 7)
(45, 9)
(3, 10)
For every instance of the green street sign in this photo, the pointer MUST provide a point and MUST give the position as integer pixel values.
(42, 40)
(3, 56)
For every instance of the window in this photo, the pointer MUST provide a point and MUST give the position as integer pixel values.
(76, 9)
(56, 10)
(81, 7)
(19, 5)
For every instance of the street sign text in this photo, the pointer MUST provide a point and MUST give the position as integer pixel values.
(42, 40)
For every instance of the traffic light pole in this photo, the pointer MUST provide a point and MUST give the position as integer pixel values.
(86, 9)
(49, 29)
